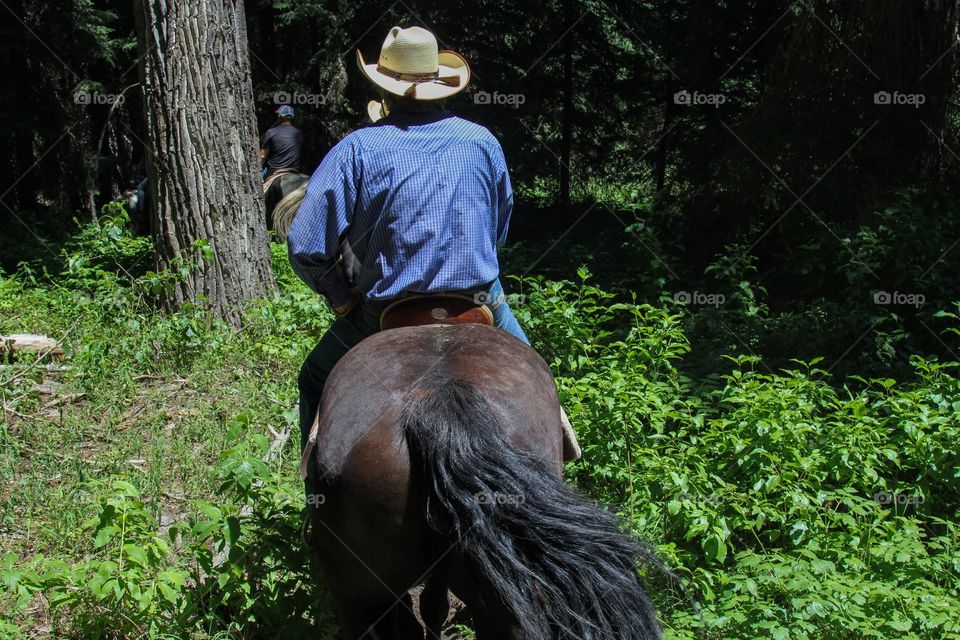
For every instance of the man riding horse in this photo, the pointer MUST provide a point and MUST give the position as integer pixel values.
(280, 156)
(435, 456)
(415, 204)
(281, 145)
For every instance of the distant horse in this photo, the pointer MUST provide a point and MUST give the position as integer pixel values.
(283, 194)
(438, 460)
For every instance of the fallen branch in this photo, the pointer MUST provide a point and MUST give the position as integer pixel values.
(13, 411)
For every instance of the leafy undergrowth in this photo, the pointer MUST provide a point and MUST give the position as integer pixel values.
(793, 508)
(151, 488)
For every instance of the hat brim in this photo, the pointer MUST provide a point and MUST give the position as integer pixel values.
(450, 64)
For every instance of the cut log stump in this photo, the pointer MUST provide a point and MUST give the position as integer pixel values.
(29, 343)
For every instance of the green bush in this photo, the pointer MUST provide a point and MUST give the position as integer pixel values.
(792, 507)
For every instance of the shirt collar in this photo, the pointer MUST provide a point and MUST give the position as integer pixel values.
(423, 117)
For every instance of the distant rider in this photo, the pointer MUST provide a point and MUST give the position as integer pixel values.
(281, 144)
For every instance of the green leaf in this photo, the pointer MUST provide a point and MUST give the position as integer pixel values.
(715, 548)
(105, 534)
(135, 554)
(901, 624)
(231, 530)
(124, 488)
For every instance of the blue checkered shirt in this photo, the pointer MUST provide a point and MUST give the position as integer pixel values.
(416, 204)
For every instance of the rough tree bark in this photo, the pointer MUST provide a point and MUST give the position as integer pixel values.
(202, 151)
(566, 131)
(662, 152)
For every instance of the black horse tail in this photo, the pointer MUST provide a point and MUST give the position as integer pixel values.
(560, 563)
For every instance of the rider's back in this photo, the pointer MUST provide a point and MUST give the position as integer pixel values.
(284, 142)
(427, 199)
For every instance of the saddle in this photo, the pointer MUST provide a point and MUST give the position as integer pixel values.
(439, 310)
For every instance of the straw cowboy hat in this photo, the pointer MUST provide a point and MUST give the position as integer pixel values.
(410, 65)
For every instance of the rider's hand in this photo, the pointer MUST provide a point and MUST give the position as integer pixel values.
(345, 308)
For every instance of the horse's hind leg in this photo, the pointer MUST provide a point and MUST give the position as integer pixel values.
(378, 620)
(434, 606)
(404, 622)
(489, 626)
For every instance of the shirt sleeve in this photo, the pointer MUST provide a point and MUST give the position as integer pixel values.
(265, 140)
(322, 219)
(504, 197)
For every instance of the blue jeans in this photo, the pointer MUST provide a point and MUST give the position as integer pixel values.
(348, 331)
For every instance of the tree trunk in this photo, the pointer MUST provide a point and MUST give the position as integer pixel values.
(662, 152)
(202, 152)
(16, 70)
(913, 51)
(566, 143)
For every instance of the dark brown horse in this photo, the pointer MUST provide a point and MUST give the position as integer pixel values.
(439, 460)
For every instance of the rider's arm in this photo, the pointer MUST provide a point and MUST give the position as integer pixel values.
(320, 222)
(265, 146)
(503, 197)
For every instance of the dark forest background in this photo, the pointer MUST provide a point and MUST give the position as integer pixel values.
(796, 160)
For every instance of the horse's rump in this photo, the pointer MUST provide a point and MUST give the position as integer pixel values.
(439, 453)
(375, 380)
